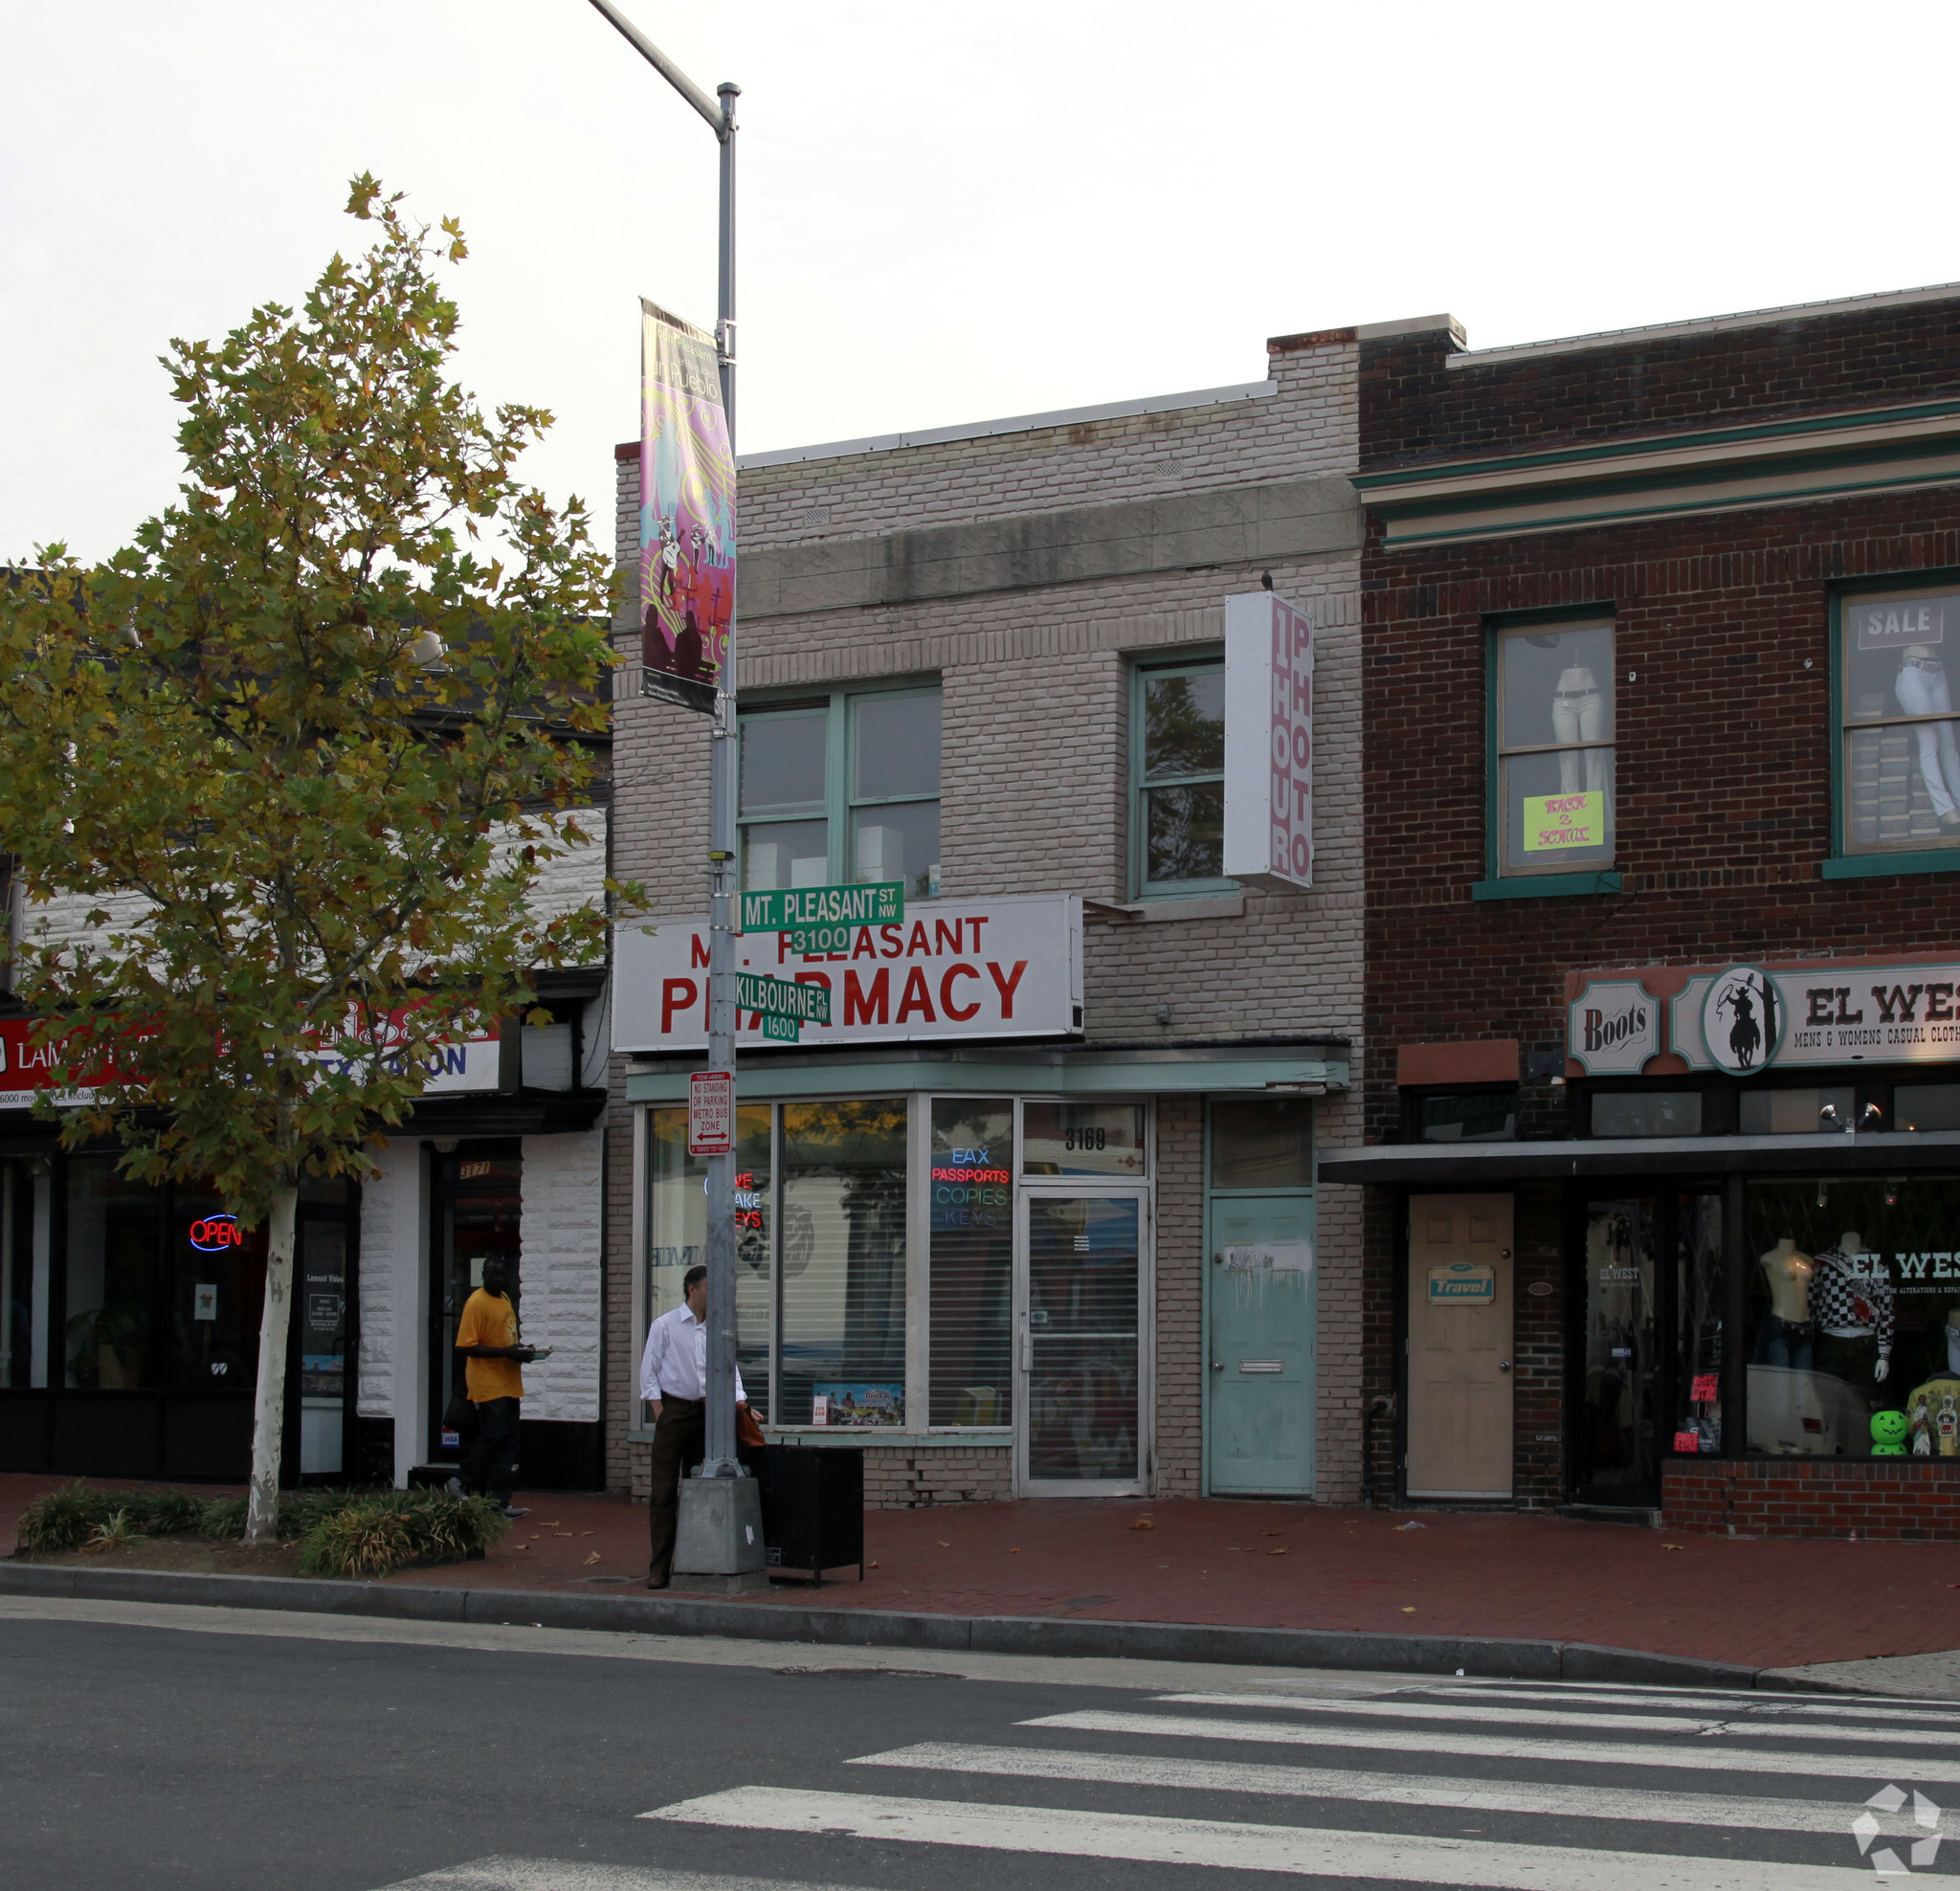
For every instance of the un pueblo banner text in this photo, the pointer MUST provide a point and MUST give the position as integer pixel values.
(686, 512)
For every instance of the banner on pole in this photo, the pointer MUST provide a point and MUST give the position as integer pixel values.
(686, 512)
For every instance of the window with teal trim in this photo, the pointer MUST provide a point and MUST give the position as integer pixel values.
(1899, 761)
(1552, 769)
(1177, 769)
(842, 789)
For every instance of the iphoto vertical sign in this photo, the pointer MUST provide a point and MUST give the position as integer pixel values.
(1268, 742)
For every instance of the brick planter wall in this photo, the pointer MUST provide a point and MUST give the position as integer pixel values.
(1917, 1499)
(899, 1476)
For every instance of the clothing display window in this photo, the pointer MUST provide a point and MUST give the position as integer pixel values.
(1697, 1311)
(1178, 765)
(1853, 1298)
(1553, 696)
(842, 789)
(1617, 1435)
(1900, 756)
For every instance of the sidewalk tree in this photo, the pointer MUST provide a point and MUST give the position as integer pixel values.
(302, 752)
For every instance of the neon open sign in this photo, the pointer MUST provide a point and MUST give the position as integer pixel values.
(216, 1231)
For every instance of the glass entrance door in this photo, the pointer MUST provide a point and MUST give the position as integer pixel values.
(478, 1213)
(1616, 1456)
(1081, 1365)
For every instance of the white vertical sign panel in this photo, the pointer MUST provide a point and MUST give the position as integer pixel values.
(1268, 742)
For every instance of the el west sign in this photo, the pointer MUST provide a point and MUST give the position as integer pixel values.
(1009, 967)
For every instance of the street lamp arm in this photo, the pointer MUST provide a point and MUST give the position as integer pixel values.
(720, 118)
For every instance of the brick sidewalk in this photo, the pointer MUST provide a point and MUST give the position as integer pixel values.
(1756, 1602)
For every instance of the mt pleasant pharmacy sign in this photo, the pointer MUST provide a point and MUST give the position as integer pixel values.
(1009, 967)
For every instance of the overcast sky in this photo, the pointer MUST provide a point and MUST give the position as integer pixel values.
(949, 212)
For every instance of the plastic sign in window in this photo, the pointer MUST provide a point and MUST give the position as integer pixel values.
(216, 1232)
(1564, 823)
(1463, 1284)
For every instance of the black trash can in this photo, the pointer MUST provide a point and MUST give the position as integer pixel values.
(813, 1508)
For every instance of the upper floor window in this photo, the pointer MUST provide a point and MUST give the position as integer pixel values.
(1898, 760)
(1177, 767)
(843, 787)
(1553, 737)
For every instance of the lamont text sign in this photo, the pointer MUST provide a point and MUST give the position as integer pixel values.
(1007, 967)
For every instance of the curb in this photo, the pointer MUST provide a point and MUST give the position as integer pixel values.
(1488, 1658)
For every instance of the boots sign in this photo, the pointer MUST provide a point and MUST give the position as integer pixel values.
(1740, 1019)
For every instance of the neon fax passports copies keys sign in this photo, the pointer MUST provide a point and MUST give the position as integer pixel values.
(951, 969)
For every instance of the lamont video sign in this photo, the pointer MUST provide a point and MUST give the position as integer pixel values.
(1008, 967)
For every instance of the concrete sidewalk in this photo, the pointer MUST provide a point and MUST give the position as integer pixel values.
(1756, 1603)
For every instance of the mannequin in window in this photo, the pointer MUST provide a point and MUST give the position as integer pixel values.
(1921, 687)
(1851, 1297)
(1579, 714)
(1786, 1334)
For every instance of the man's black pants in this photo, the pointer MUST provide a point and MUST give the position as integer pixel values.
(492, 1455)
(679, 1438)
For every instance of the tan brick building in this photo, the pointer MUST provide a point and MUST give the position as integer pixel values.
(1038, 1212)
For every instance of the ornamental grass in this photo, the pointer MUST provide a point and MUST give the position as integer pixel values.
(339, 1533)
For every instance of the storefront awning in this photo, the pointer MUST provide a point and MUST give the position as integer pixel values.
(1067, 1070)
(1434, 1164)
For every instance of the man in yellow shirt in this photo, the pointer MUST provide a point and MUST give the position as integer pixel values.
(486, 1336)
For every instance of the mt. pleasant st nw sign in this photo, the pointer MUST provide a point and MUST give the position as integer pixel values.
(1007, 967)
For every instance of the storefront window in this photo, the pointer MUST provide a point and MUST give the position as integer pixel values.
(1618, 1423)
(973, 1260)
(1554, 758)
(1900, 759)
(842, 1358)
(23, 1272)
(1647, 1113)
(1801, 1112)
(1083, 1139)
(1480, 1117)
(1262, 1145)
(1854, 1303)
(1698, 1303)
(1925, 1106)
(163, 1288)
(676, 1230)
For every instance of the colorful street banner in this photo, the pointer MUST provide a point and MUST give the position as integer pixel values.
(686, 513)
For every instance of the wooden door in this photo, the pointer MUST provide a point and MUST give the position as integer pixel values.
(1459, 1345)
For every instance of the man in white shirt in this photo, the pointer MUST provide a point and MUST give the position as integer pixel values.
(674, 1380)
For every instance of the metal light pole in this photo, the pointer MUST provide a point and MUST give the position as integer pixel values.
(718, 1457)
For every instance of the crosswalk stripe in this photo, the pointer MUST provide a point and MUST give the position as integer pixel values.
(1720, 1755)
(1421, 1710)
(1233, 1845)
(581, 1874)
(1725, 1706)
(1389, 1789)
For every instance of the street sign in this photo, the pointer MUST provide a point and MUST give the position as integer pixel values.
(711, 1113)
(788, 1030)
(833, 911)
(782, 997)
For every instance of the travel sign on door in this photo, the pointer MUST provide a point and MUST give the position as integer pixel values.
(1743, 1018)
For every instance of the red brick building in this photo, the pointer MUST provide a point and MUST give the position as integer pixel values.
(1663, 1080)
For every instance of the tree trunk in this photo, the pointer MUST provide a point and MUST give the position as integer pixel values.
(269, 1408)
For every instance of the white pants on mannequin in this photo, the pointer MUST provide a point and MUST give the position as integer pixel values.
(1579, 715)
(1921, 690)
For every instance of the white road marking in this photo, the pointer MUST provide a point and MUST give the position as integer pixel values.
(1727, 1707)
(705, 1651)
(1700, 1756)
(1423, 1710)
(1233, 1845)
(579, 1875)
(1388, 1789)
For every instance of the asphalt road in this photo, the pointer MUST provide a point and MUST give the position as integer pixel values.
(251, 1752)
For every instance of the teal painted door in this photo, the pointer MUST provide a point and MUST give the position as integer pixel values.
(1260, 1323)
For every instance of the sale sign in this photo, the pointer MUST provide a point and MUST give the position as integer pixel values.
(1564, 823)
